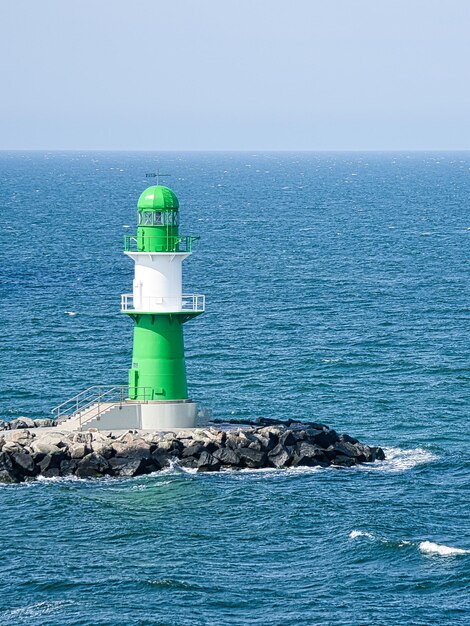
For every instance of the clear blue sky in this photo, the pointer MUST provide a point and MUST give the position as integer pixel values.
(235, 74)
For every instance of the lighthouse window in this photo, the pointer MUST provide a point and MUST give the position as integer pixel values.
(175, 218)
(140, 218)
(157, 219)
(148, 218)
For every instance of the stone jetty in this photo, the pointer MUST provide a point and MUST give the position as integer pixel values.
(27, 453)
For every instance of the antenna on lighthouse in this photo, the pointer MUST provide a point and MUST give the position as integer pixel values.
(156, 175)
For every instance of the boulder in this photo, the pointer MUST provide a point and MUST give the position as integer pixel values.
(92, 465)
(159, 460)
(194, 450)
(45, 423)
(325, 438)
(310, 455)
(23, 437)
(82, 438)
(40, 447)
(11, 447)
(227, 456)
(345, 448)
(79, 450)
(345, 461)
(103, 448)
(287, 438)
(208, 463)
(348, 438)
(21, 422)
(377, 453)
(8, 476)
(121, 466)
(68, 466)
(24, 463)
(252, 458)
(279, 456)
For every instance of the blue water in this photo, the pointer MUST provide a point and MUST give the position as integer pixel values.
(337, 290)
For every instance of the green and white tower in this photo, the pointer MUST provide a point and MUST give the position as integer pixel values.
(159, 308)
(156, 396)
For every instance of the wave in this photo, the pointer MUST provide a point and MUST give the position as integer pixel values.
(400, 459)
(425, 547)
(429, 547)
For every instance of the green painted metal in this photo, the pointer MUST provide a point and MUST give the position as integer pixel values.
(158, 197)
(176, 244)
(158, 358)
(158, 219)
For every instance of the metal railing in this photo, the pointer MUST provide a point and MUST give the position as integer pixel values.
(171, 243)
(189, 303)
(91, 399)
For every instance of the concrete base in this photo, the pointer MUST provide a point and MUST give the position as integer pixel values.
(156, 415)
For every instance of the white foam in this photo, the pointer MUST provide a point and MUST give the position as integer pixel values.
(354, 534)
(429, 547)
(400, 460)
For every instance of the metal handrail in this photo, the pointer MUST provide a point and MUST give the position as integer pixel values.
(188, 302)
(85, 400)
(174, 243)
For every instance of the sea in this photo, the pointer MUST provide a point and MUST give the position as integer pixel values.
(337, 290)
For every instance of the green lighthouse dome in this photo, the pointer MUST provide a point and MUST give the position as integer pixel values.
(157, 198)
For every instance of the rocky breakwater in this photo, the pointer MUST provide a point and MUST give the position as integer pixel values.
(25, 454)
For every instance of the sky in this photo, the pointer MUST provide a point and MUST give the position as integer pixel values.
(235, 74)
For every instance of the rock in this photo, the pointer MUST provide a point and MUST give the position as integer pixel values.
(184, 434)
(279, 456)
(310, 455)
(348, 439)
(377, 453)
(45, 423)
(41, 447)
(346, 449)
(127, 437)
(49, 461)
(128, 467)
(21, 422)
(343, 460)
(159, 460)
(5, 461)
(104, 448)
(227, 456)
(8, 477)
(24, 463)
(3, 425)
(208, 463)
(79, 450)
(52, 472)
(287, 438)
(252, 458)
(171, 445)
(325, 438)
(188, 462)
(267, 443)
(68, 467)
(23, 437)
(12, 446)
(83, 438)
(194, 450)
(139, 449)
(92, 465)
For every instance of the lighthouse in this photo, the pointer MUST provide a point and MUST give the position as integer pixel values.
(159, 308)
(156, 395)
